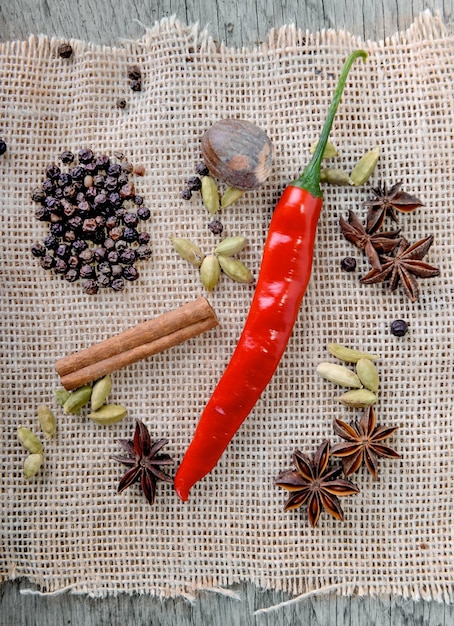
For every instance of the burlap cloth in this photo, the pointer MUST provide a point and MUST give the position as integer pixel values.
(68, 528)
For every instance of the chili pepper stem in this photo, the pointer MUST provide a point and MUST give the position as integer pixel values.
(310, 177)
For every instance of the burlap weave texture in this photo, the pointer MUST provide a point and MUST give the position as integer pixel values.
(68, 527)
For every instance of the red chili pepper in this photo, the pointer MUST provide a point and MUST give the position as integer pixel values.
(281, 285)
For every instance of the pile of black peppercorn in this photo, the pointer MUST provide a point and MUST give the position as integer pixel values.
(93, 214)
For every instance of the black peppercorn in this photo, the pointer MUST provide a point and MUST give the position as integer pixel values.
(86, 156)
(112, 221)
(47, 262)
(38, 195)
(186, 194)
(63, 251)
(216, 227)
(118, 284)
(69, 235)
(399, 328)
(130, 273)
(143, 237)
(72, 275)
(201, 169)
(73, 261)
(102, 162)
(105, 268)
(103, 280)
(56, 229)
(130, 235)
(138, 200)
(116, 233)
(47, 186)
(112, 257)
(114, 199)
(90, 287)
(130, 219)
(66, 157)
(127, 191)
(42, 214)
(136, 85)
(100, 254)
(60, 266)
(143, 252)
(122, 179)
(87, 271)
(68, 208)
(143, 213)
(38, 249)
(127, 167)
(87, 255)
(110, 183)
(3, 147)
(114, 169)
(109, 243)
(121, 245)
(121, 103)
(64, 180)
(348, 264)
(78, 246)
(194, 183)
(127, 256)
(134, 72)
(53, 172)
(89, 225)
(77, 173)
(70, 192)
(51, 242)
(98, 180)
(64, 50)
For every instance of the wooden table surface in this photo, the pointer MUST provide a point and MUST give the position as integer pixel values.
(237, 22)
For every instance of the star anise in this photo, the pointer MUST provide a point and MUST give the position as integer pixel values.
(404, 266)
(316, 484)
(372, 244)
(387, 201)
(364, 443)
(144, 462)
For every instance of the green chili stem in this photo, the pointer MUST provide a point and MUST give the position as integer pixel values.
(310, 177)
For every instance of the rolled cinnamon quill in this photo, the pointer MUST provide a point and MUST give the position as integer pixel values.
(137, 343)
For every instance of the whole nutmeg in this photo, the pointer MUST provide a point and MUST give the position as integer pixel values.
(237, 152)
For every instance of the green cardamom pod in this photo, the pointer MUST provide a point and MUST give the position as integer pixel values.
(210, 272)
(188, 251)
(101, 390)
(236, 270)
(334, 176)
(47, 420)
(358, 398)
(29, 440)
(108, 414)
(231, 195)
(349, 355)
(77, 400)
(368, 374)
(365, 167)
(339, 375)
(230, 246)
(329, 152)
(32, 465)
(61, 395)
(210, 195)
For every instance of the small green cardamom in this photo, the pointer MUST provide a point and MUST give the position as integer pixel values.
(77, 400)
(101, 390)
(365, 167)
(368, 374)
(339, 375)
(334, 176)
(230, 246)
(29, 440)
(188, 251)
(358, 398)
(47, 420)
(210, 272)
(231, 195)
(210, 195)
(108, 414)
(329, 152)
(236, 270)
(61, 395)
(349, 355)
(32, 465)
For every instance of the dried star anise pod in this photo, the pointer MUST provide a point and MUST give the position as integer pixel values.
(316, 484)
(364, 443)
(372, 244)
(144, 462)
(387, 201)
(404, 266)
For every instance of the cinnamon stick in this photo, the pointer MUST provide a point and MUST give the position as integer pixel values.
(132, 345)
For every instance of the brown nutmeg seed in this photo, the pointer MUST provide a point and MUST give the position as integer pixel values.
(237, 152)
